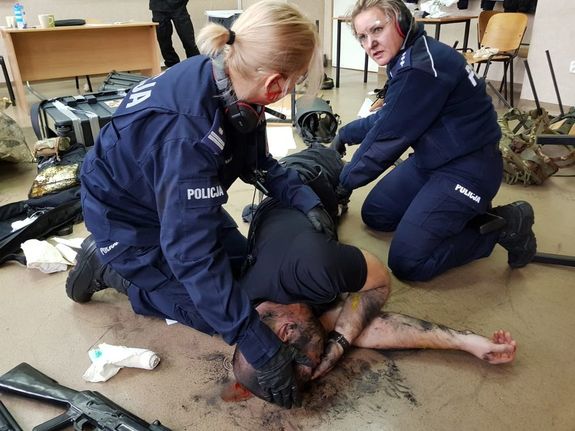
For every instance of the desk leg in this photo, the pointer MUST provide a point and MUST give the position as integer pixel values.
(337, 53)
(365, 68)
(466, 36)
(437, 30)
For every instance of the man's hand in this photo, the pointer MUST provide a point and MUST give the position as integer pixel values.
(338, 145)
(333, 351)
(277, 377)
(342, 194)
(322, 221)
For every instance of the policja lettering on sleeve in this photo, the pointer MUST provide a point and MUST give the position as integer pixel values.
(199, 193)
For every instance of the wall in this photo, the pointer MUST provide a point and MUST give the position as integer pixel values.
(109, 11)
(553, 30)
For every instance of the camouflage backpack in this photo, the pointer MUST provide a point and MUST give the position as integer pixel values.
(523, 160)
(13, 147)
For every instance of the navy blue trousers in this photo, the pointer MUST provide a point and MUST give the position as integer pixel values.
(429, 210)
(155, 291)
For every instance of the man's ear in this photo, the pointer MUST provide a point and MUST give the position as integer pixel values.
(287, 331)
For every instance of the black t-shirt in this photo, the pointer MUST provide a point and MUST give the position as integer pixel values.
(295, 263)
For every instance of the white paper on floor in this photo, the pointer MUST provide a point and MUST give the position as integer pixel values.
(108, 359)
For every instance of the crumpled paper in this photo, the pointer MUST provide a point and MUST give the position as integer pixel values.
(107, 360)
(435, 7)
(48, 257)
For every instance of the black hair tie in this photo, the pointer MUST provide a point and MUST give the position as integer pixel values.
(231, 37)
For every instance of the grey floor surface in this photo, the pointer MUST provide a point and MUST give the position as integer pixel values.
(370, 390)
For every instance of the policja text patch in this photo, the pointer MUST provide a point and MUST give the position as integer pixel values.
(202, 193)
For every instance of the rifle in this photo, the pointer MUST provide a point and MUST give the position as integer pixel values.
(86, 408)
(7, 422)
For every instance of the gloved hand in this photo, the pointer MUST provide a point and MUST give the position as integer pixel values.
(277, 377)
(342, 194)
(338, 145)
(321, 221)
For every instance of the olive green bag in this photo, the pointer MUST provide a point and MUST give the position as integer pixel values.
(524, 161)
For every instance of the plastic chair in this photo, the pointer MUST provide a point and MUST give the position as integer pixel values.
(504, 32)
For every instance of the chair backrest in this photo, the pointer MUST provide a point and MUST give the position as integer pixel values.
(505, 31)
(482, 23)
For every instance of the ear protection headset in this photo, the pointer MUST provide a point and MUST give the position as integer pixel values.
(404, 22)
(243, 116)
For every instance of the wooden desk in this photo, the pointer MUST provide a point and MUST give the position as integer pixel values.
(37, 54)
(438, 22)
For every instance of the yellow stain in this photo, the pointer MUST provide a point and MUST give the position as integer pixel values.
(355, 300)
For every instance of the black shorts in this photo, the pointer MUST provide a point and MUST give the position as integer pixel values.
(295, 263)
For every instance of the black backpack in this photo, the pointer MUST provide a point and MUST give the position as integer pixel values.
(318, 167)
(53, 206)
(55, 213)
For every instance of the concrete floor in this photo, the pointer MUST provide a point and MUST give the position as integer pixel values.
(369, 390)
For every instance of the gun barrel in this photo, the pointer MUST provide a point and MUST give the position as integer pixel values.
(7, 422)
(28, 381)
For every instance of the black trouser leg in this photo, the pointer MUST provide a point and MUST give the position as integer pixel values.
(185, 30)
(164, 32)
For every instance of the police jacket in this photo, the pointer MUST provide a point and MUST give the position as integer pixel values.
(159, 174)
(434, 103)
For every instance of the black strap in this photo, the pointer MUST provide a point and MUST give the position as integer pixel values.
(338, 338)
(38, 118)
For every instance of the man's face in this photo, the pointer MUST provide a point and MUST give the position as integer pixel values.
(378, 35)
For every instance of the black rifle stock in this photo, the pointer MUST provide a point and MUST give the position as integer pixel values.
(7, 422)
(85, 407)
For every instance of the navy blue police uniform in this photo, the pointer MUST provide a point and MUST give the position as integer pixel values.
(308, 266)
(436, 105)
(152, 194)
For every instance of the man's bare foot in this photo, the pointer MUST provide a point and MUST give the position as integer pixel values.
(499, 350)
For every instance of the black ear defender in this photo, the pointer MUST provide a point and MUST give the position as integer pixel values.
(405, 20)
(243, 116)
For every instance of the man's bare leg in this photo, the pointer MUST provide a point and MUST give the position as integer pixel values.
(398, 331)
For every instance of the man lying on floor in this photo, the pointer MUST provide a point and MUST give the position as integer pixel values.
(307, 284)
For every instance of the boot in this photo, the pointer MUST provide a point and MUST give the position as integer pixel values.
(517, 235)
(327, 83)
(90, 275)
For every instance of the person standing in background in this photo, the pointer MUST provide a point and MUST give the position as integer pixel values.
(164, 12)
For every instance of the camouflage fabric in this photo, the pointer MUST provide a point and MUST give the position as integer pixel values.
(13, 147)
(564, 124)
(51, 147)
(523, 160)
(54, 179)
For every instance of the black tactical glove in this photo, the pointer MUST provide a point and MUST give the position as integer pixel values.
(322, 221)
(342, 194)
(277, 377)
(338, 145)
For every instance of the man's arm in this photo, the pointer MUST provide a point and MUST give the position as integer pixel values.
(398, 331)
(356, 312)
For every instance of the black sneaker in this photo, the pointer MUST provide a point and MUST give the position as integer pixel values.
(85, 278)
(517, 236)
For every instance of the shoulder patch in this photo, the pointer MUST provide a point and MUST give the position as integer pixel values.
(199, 193)
(215, 139)
(403, 62)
